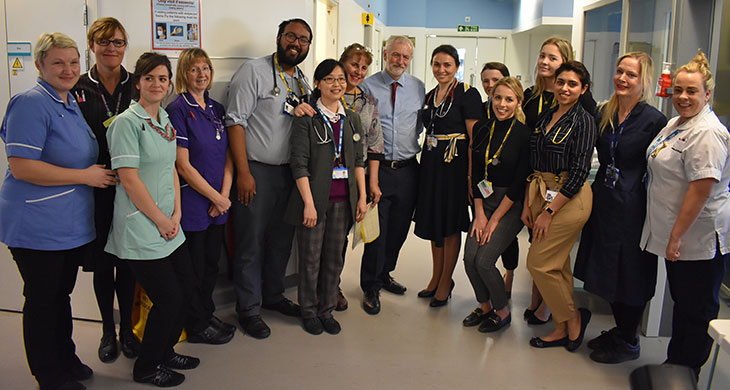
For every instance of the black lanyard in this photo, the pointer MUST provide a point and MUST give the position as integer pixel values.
(613, 139)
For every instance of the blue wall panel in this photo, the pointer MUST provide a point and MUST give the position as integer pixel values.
(557, 8)
(487, 14)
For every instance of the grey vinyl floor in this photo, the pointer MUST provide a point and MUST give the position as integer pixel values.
(407, 346)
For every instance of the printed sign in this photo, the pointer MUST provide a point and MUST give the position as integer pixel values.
(175, 24)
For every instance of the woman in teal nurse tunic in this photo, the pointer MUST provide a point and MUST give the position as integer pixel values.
(146, 224)
(47, 207)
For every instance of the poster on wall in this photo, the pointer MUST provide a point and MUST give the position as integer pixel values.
(175, 24)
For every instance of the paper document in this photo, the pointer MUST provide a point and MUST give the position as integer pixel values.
(368, 229)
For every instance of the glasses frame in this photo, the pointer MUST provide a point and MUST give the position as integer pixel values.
(291, 37)
(115, 42)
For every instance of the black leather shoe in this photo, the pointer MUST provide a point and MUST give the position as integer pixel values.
(533, 320)
(312, 325)
(255, 327)
(390, 285)
(331, 325)
(619, 352)
(79, 371)
(371, 302)
(161, 377)
(108, 349)
(585, 318)
(341, 301)
(215, 321)
(285, 307)
(130, 344)
(210, 335)
(475, 318)
(181, 362)
(494, 322)
(540, 343)
(427, 293)
(607, 339)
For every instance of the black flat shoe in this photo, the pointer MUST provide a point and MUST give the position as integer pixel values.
(427, 293)
(475, 318)
(533, 320)
(585, 318)
(330, 325)
(540, 343)
(161, 377)
(181, 362)
(108, 349)
(255, 326)
(528, 313)
(215, 321)
(494, 322)
(312, 325)
(130, 344)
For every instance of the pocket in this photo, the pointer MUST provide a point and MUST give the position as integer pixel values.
(59, 207)
(141, 232)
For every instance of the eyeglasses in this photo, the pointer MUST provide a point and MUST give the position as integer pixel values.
(331, 80)
(291, 37)
(115, 42)
(199, 70)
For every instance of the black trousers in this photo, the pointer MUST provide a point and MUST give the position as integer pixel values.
(165, 281)
(694, 286)
(395, 211)
(205, 252)
(48, 280)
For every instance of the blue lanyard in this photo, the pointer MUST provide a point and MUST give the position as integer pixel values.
(655, 148)
(613, 140)
(338, 146)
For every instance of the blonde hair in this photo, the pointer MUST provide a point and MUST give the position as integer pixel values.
(516, 87)
(646, 69)
(104, 28)
(356, 49)
(48, 41)
(185, 62)
(566, 52)
(701, 65)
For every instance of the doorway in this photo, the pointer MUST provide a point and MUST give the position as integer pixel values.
(325, 30)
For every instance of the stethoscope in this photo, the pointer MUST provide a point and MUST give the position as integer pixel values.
(302, 81)
(327, 139)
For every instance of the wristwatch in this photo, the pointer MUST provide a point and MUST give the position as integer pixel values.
(549, 210)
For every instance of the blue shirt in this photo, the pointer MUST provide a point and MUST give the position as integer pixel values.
(202, 133)
(38, 125)
(401, 123)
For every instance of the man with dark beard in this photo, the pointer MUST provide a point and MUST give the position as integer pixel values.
(262, 97)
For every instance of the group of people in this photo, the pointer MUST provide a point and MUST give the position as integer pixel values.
(101, 175)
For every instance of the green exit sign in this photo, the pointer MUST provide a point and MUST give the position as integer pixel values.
(466, 28)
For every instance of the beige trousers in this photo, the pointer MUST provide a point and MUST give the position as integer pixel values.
(549, 259)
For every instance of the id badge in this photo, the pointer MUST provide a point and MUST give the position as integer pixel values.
(339, 173)
(291, 102)
(612, 174)
(485, 187)
(108, 122)
(550, 195)
(431, 141)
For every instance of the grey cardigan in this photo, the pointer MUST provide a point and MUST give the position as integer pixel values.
(310, 158)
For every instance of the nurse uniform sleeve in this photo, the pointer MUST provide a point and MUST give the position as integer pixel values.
(123, 137)
(705, 155)
(25, 128)
(176, 114)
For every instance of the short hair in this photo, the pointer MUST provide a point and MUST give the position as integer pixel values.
(579, 69)
(48, 41)
(513, 84)
(502, 68)
(104, 28)
(146, 63)
(393, 39)
(186, 60)
(699, 64)
(356, 49)
(448, 50)
(285, 23)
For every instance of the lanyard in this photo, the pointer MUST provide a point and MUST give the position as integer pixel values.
(217, 123)
(539, 106)
(495, 159)
(106, 106)
(281, 74)
(169, 133)
(354, 101)
(338, 146)
(614, 138)
(657, 146)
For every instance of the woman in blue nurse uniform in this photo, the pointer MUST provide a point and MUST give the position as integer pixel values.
(47, 207)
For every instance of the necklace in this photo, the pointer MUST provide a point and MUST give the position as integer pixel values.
(168, 130)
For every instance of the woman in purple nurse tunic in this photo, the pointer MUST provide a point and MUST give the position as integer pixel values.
(206, 170)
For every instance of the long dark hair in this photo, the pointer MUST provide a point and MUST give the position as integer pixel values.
(146, 63)
(323, 69)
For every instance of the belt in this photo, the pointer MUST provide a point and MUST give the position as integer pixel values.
(450, 152)
(392, 164)
(540, 182)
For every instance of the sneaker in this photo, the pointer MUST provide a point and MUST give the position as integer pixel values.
(182, 362)
(161, 377)
(331, 325)
(619, 352)
(312, 325)
(605, 340)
